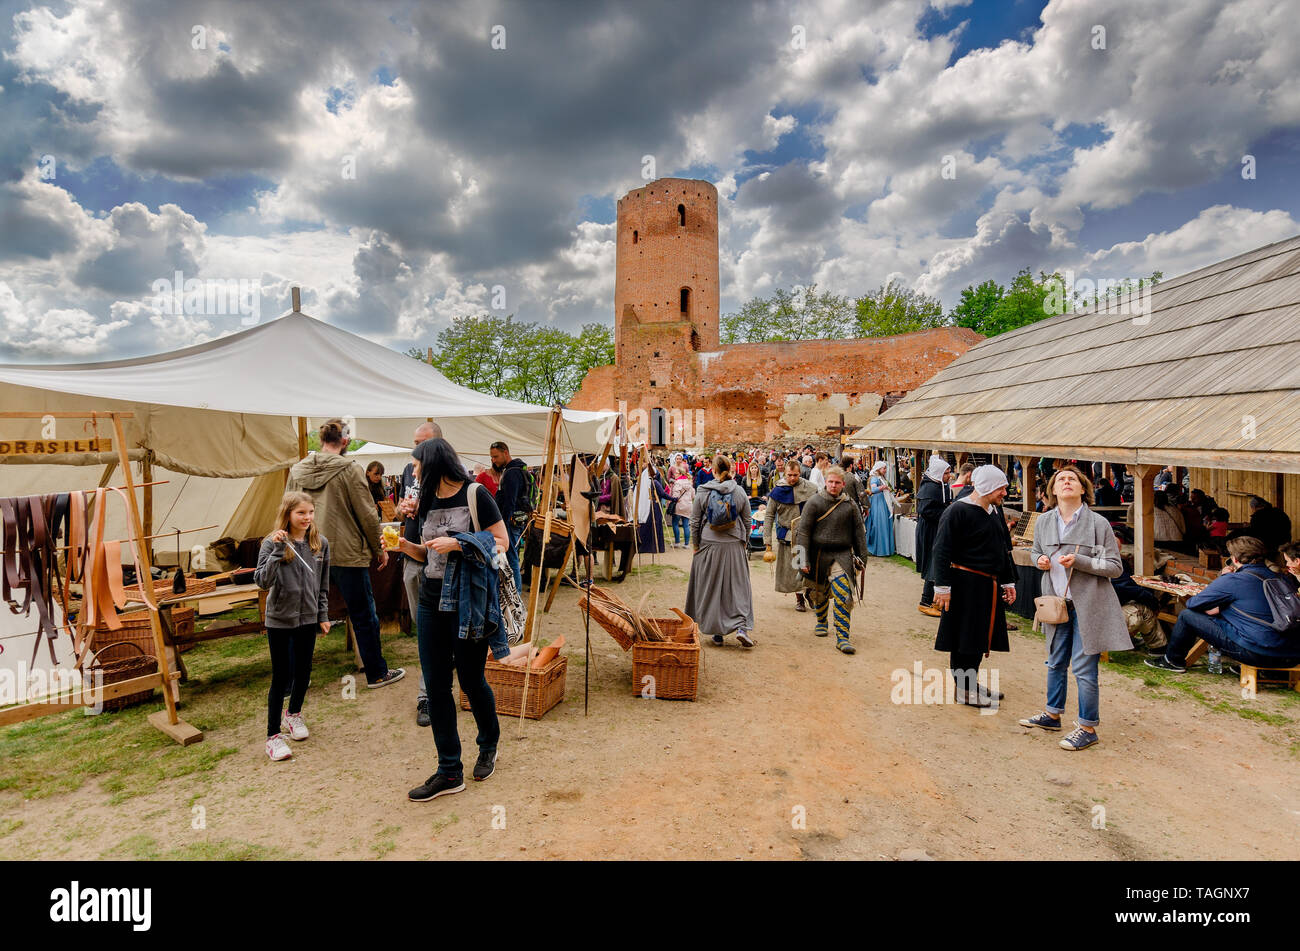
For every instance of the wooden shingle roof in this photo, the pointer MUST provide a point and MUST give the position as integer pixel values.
(1209, 376)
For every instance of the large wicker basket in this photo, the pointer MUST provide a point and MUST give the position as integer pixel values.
(128, 661)
(162, 588)
(136, 630)
(545, 687)
(674, 665)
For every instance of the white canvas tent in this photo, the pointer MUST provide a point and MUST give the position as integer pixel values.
(220, 421)
(229, 408)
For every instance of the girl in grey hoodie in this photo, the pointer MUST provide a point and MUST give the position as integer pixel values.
(293, 566)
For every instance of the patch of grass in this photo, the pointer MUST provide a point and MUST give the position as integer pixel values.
(146, 848)
(448, 820)
(10, 825)
(384, 843)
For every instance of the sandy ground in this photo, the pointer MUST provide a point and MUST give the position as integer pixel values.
(792, 751)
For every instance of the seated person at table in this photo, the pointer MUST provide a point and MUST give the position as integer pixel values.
(1204, 503)
(1233, 615)
(1219, 523)
(1106, 494)
(1269, 524)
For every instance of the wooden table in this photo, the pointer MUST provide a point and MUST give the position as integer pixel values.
(1200, 647)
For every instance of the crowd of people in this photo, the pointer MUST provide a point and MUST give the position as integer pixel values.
(823, 518)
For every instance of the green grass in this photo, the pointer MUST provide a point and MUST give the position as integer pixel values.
(146, 848)
(127, 757)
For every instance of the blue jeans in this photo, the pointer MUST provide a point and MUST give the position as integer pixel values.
(1196, 624)
(441, 652)
(354, 585)
(685, 524)
(1066, 655)
(512, 554)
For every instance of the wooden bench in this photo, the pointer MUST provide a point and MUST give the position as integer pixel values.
(1252, 677)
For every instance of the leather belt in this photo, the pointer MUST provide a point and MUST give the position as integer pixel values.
(993, 609)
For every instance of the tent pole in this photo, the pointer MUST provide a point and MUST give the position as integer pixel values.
(534, 582)
(165, 720)
(302, 437)
(146, 476)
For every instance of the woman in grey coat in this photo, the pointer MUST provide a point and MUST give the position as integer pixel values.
(718, 595)
(1078, 555)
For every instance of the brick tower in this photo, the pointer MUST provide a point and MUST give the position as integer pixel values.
(666, 293)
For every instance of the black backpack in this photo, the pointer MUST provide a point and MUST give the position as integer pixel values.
(1283, 604)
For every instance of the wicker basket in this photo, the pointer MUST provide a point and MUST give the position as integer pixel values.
(136, 630)
(674, 664)
(545, 687)
(162, 588)
(125, 666)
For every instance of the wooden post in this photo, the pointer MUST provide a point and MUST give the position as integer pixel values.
(1144, 519)
(302, 437)
(165, 720)
(297, 301)
(534, 582)
(1029, 489)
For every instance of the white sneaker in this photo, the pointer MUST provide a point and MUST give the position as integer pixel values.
(277, 748)
(295, 727)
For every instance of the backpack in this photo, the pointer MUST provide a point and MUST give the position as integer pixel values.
(720, 511)
(1283, 604)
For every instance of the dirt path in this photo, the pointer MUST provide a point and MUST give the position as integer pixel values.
(793, 750)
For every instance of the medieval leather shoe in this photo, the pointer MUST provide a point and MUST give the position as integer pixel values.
(930, 610)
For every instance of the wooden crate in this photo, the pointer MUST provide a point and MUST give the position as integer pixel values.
(545, 687)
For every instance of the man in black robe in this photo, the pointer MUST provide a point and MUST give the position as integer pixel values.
(974, 579)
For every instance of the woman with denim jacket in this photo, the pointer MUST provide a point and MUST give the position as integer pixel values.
(1078, 555)
(442, 512)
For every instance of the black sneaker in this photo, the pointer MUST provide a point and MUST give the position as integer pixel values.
(422, 712)
(435, 786)
(486, 765)
(1163, 663)
(393, 676)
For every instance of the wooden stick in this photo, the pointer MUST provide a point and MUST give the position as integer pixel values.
(555, 585)
(16, 415)
(146, 473)
(160, 648)
(535, 581)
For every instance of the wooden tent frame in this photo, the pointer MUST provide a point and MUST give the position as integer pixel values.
(166, 720)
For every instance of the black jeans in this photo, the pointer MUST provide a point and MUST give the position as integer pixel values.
(1196, 624)
(927, 593)
(441, 652)
(291, 652)
(354, 585)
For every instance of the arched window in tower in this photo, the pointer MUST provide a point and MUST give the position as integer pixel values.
(686, 302)
(681, 215)
(634, 236)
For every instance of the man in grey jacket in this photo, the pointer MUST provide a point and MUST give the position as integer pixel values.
(346, 515)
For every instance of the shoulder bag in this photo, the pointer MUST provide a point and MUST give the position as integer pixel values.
(1052, 608)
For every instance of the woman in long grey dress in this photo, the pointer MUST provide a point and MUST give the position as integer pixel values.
(718, 595)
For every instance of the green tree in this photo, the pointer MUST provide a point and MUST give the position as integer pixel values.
(1027, 301)
(897, 309)
(976, 305)
(801, 314)
(528, 362)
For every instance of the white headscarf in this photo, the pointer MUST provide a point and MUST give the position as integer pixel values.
(988, 479)
(879, 467)
(937, 467)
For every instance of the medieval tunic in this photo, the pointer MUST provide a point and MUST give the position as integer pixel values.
(972, 556)
(784, 503)
(931, 501)
(718, 594)
(831, 531)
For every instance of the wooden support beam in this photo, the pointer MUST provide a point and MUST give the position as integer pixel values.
(1029, 484)
(1144, 519)
(181, 732)
(146, 474)
(302, 438)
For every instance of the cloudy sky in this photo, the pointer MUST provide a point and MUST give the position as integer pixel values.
(399, 165)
